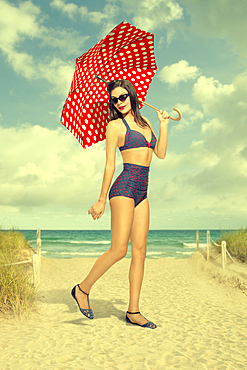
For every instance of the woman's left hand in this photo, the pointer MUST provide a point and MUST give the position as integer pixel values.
(163, 116)
(97, 210)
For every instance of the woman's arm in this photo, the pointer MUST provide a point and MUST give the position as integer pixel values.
(161, 145)
(98, 208)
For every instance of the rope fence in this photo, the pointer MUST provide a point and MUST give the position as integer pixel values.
(36, 260)
(224, 251)
(16, 263)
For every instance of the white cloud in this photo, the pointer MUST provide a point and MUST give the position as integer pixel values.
(67, 42)
(208, 181)
(57, 72)
(24, 22)
(177, 72)
(222, 147)
(69, 9)
(17, 23)
(192, 185)
(72, 11)
(223, 19)
(226, 104)
(105, 18)
(190, 116)
(209, 92)
(42, 167)
(211, 126)
(152, 14)
(106, 28)
(225, 135)
(22, 63)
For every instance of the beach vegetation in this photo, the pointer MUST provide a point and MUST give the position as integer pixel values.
(17, 292)
(236, 243)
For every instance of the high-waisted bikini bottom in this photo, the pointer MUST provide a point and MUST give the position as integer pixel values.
(131, 183)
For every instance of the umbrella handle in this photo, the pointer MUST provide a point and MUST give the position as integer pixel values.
(156, 109)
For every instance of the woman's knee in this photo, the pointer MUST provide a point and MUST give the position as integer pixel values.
(139, 251)
(119, 252)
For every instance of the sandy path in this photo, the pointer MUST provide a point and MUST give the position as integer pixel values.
(201, 323)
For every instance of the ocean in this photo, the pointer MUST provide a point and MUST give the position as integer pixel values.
(92, 243)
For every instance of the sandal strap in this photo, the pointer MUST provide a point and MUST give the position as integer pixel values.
(81, 289)
(133, 313)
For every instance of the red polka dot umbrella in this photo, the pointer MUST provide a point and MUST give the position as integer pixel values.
(127, 53)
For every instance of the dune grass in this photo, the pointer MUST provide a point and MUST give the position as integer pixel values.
(236, 243)
(17, 293)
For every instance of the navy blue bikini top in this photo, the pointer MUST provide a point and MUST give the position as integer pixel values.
(135, 139)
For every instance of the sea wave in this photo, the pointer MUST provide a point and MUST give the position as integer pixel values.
(99, 242)
(193, 245)
(151, 253)
(77, 241)
(93, 253)
(73, 253)
(179, 252)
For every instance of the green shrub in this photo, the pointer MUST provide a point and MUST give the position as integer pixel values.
(236, 243)
(17, 293)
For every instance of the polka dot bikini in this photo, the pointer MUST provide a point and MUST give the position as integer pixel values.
(135, 139)
(133, 180)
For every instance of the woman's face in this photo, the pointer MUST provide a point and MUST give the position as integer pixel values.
(123, 106)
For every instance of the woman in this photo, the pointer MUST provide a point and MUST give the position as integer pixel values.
(134, 137)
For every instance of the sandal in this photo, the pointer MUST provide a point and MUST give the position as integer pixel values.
(88, 311)
(148, 324)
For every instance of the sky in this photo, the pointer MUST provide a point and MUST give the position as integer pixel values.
(48, 181)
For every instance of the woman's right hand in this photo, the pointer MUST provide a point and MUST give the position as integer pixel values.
(97, 210)
(163, 116)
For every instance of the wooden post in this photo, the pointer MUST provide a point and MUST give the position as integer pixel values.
(223, 254)
(38, 235)
(197, 240)
(208, 245)
(36, 272)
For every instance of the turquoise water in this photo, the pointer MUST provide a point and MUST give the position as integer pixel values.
(92, 243)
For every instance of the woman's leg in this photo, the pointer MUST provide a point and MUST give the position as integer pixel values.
(139, 235)
(122, 213)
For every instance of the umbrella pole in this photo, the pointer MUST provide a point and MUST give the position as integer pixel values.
(156, 109)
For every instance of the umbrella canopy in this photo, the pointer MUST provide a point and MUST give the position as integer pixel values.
(127, 53)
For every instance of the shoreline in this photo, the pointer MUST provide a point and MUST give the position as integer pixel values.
(160, 243)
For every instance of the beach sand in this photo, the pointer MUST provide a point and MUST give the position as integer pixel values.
(201, 320)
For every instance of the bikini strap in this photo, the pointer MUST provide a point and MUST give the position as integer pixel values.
(126, 124)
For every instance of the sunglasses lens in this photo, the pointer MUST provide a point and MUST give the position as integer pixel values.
(122, 98)
(114, 100)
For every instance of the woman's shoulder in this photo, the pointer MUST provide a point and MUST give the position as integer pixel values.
(114, 124)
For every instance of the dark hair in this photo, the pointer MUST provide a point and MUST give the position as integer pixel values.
(114, 113)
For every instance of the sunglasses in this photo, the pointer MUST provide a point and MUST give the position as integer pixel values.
(122, 98)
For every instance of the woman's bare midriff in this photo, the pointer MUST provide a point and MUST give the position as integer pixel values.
(139, 156)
